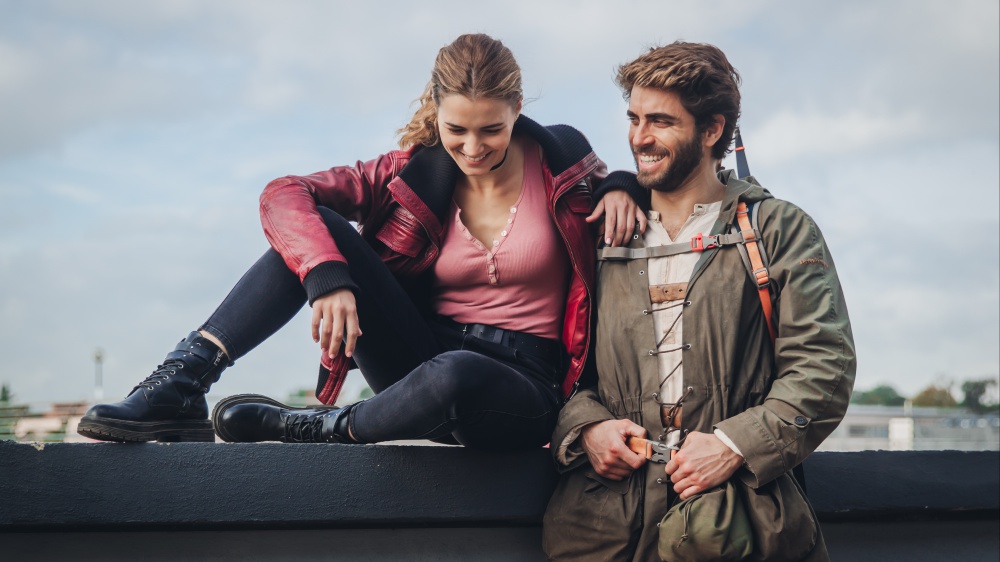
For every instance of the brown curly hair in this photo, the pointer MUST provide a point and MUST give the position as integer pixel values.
(700, 74)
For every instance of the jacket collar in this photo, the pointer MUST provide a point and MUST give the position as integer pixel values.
(737, 190)
(431, 172)
(747, 190)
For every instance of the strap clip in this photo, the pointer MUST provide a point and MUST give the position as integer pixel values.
(654, 451)
(698, 242)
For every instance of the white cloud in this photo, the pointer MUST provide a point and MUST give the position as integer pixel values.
(788, 135)
(77, 193)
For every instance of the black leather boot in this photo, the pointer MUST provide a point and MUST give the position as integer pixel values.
(169, 405)
(250, 418)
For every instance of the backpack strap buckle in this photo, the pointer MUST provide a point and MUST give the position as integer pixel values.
(698, 242)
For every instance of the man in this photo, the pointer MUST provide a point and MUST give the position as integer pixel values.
(683, 350)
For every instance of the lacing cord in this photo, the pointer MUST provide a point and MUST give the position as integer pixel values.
(687, 516)
(159, 375)
(668, 307)
(670, 329)
(304, 428)
(680, 401)
(678, 348)
(675, 407)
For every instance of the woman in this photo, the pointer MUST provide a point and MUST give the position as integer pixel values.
(464, 300)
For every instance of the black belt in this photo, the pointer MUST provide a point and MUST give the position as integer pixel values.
(550, 350)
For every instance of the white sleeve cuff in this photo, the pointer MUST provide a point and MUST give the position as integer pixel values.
(727, 441)
(569, 450)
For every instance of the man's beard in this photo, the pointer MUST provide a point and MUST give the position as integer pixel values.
(685, 159)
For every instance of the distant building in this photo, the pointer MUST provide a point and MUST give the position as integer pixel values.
(58, 424)
(904, 428)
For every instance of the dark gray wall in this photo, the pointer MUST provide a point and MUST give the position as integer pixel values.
(205, 501)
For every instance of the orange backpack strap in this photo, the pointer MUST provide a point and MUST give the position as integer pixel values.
(755, 258)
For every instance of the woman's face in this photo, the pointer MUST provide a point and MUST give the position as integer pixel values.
(476, 133)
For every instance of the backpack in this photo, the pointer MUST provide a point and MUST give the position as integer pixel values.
(752, 249)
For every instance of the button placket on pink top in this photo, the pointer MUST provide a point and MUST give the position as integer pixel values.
(492, 271)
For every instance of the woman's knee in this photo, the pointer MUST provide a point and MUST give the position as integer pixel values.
(455, 374)
(339, 227)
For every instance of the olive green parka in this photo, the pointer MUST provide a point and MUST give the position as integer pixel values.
(777, 404)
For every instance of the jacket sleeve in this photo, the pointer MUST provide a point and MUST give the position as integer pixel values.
(583, 409)
(626, 181)
(814, 354)
(292, 223)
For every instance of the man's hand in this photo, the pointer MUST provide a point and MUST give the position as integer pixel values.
(604, 443)
(702, 463)
(620, 215)
(334, 318)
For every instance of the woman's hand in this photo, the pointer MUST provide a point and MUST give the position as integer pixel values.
(620, 213)
(334, 319)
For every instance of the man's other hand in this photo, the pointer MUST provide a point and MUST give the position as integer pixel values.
(702, 463)
(604, 443)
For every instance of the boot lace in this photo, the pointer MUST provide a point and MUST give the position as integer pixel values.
(161, 374)
(304, 428)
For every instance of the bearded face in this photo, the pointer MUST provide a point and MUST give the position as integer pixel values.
(670, 167)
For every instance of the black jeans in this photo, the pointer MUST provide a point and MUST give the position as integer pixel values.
(431, 380)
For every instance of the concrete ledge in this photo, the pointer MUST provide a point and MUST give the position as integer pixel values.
(201, 486)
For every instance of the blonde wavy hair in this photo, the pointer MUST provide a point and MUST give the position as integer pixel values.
(475, 66)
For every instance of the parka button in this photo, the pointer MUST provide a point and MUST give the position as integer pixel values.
(800, 420)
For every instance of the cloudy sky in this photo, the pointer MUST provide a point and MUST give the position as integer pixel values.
(135, 138)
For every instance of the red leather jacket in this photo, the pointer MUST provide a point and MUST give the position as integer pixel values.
(400, 200)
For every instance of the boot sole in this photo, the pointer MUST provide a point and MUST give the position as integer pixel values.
(123, 431)
(245, 399)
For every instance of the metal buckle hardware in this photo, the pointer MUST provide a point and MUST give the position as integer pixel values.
(698, 242)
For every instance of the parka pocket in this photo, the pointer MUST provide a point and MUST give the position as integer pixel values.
(596, 482)
(586, 520)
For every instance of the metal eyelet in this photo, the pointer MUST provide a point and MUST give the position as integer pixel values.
(660, 437)
(687, 347)
(642, 272)
(659, 481)
(157, 383)
(656, 395)
(651, 352)
(635, 237)
(645, 312)
(687, 303)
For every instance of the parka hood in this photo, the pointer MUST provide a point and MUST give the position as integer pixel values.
(747, 189)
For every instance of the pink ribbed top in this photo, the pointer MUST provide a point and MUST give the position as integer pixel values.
(519, 283)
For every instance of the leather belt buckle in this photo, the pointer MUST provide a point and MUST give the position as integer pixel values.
(653, 451)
